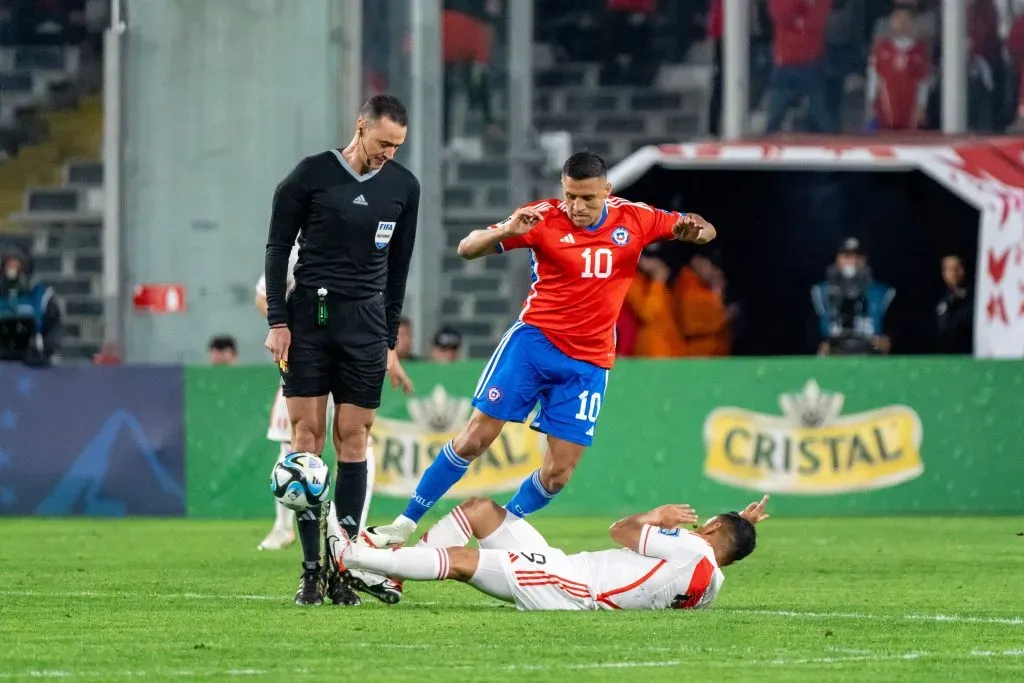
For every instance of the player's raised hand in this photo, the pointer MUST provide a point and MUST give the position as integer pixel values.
(694, 228)
(671, 516)
(755, 513)
(524, 219)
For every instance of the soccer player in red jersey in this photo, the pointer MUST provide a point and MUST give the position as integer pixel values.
(583, 252)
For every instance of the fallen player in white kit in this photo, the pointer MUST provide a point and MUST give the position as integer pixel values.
(660, 566)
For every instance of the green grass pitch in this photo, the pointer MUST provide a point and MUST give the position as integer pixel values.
(820, 600)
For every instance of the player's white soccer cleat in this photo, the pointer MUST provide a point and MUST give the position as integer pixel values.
(390, 535)
(277, 539)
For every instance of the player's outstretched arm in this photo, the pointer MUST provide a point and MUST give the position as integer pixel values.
(626, 532)
(483, 242)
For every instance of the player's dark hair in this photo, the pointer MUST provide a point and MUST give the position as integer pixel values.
(584, 166)
(387, 107)
(743, 534)
(224, 342)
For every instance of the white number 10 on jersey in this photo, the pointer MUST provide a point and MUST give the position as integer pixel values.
(597, 263)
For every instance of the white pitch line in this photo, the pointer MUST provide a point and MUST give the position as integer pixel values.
(963, 618)
(732, 662)
(938, 618)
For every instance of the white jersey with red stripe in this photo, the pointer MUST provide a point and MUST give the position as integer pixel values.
(674, 569)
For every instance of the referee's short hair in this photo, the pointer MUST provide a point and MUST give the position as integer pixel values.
(384, 106)
(584, 166)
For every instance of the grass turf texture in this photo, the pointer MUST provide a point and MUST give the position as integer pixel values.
(874, 599)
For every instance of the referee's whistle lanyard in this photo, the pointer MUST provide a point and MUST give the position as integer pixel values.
(322, 316)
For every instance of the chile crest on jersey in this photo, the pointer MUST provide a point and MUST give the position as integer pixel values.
(620, 236)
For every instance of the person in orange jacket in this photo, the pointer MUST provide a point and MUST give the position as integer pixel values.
(702, 315)
(651, 302)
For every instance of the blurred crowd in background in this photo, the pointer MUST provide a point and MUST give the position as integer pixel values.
(831, 66)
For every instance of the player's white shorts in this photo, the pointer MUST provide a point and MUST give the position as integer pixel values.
(517, 565)
(280, 428)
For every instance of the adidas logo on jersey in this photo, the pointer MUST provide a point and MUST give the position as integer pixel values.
(360, 200)
(568, 239)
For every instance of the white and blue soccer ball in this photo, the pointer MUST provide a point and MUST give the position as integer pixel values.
(300, 481)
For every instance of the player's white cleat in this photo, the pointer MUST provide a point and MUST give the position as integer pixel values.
(390, 535)
(277, 539)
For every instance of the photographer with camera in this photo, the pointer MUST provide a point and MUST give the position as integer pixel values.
(851, 306)
(30, 317)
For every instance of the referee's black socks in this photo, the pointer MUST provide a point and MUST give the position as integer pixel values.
(308, 523)
(350, 496)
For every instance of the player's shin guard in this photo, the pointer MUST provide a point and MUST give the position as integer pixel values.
(309, 535)
(451, 530)
(530, 497)
(349, 495)
(443, 473)
(418, 564)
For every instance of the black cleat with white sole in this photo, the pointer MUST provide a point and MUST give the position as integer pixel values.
(311, 586)
(384, 589)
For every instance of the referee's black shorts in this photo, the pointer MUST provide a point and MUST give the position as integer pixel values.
(346, 358)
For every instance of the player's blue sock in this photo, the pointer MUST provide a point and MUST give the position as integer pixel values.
(530, 497)
(443, 473)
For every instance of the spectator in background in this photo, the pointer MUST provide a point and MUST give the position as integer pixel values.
(703, 316)
(447, 344)
(851, 306)
(403, 346)
(468, 43)
(1015, 48)
(899, 76)
(223, 350)
(30, 317)
(955, 312)
(799, 47)
(926, 24)
(986, 74)
(650, 300)
(844, 52)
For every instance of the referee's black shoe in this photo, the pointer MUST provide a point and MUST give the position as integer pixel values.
(311, 586)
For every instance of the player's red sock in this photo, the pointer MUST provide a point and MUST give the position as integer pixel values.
(418, 564)
(451, 530)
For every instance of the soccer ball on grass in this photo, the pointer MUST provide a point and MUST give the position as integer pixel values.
(300, 481)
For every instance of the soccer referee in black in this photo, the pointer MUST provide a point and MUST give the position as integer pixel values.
(354, 212)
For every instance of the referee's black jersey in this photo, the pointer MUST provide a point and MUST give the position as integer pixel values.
(356, 233)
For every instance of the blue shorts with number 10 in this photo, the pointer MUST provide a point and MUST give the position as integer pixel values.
(527, 369)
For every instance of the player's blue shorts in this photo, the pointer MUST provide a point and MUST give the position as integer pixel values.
(527, 369)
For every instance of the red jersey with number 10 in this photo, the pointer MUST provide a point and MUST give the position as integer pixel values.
(581, 275)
